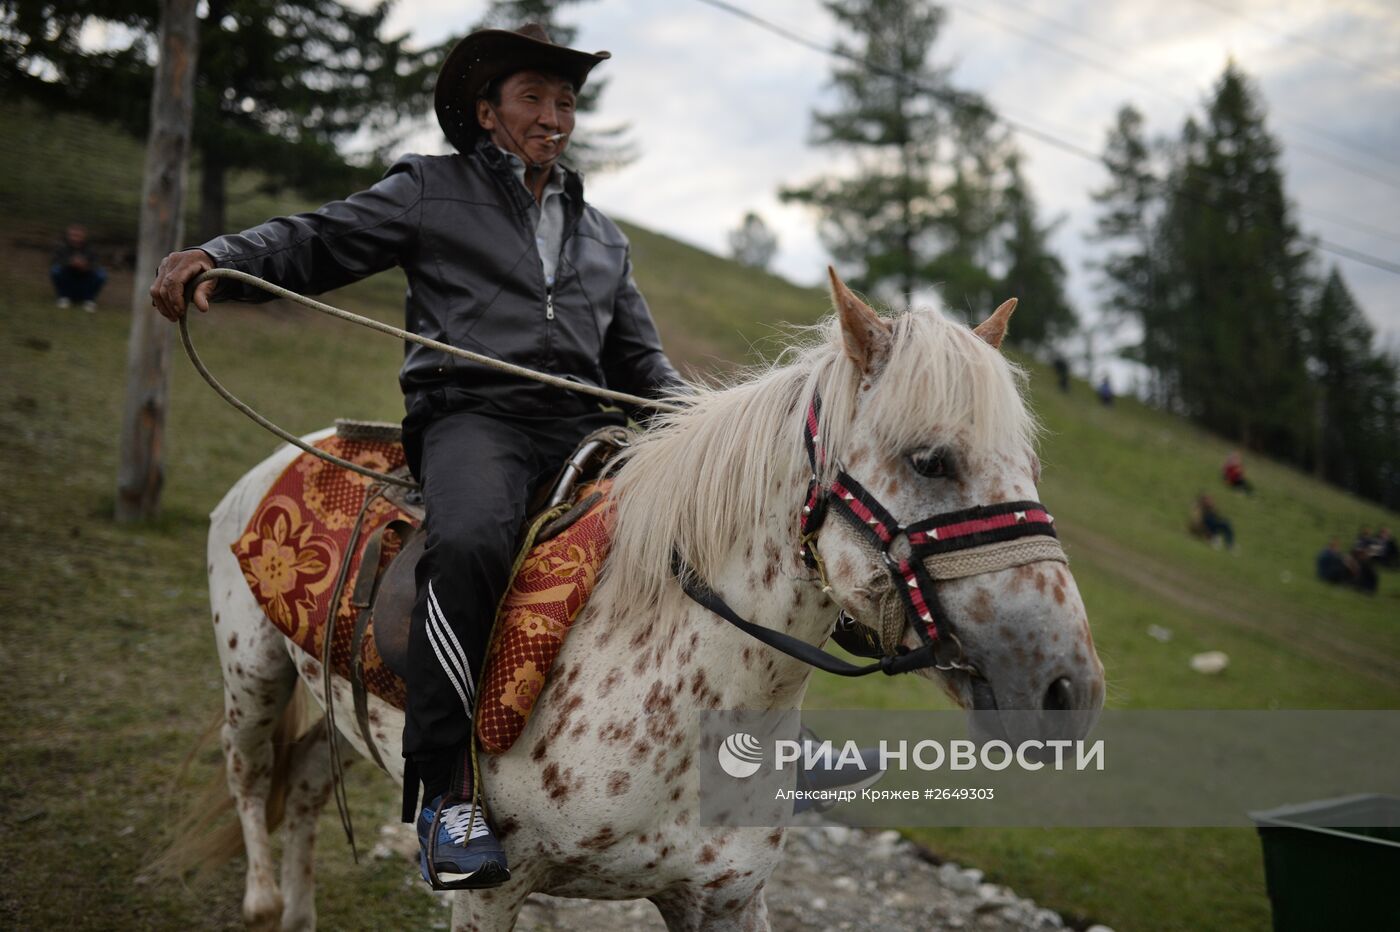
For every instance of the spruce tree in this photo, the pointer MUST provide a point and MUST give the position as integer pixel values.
(1357, 437)
(1125, 229)
(1232, 282)
(890, 113)
(1034, 274)
(752, 243)
(936, 197)
(282, 84)
(967, 230)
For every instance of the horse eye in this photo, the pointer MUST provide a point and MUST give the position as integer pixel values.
(930, 463)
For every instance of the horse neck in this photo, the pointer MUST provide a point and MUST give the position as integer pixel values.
(765, 582)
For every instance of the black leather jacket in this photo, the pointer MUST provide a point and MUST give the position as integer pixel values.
(460, 227)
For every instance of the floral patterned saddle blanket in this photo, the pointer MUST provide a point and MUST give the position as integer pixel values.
(299, 537)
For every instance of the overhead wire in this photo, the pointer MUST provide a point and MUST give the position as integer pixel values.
(1383, 158)
(1020, 126)
(1317, 48)
(1323, 214)
(1339, 219)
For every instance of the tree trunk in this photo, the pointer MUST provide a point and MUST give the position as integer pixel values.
(212, 196)
(140, 472)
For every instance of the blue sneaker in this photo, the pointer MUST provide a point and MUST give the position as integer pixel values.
(828, 774)
(459, 850)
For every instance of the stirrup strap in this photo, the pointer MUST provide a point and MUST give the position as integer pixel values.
(361, 600)
(342, 805)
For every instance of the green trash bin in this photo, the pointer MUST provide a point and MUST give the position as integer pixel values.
(1333, 864)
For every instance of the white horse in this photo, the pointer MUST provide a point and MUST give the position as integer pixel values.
(598, 797)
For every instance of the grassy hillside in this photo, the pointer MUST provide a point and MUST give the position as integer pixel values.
(108, 668)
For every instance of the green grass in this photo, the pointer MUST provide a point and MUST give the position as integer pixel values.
(109, 675)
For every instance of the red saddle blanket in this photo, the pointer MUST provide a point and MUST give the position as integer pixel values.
(297, 539)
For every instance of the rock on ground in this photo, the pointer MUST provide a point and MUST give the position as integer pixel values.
(831, 877)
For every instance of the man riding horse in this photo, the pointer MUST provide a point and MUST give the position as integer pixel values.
(503, 256)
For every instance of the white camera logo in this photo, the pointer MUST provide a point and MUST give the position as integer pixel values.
(741, 755)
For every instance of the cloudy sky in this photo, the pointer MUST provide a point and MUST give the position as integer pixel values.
(720, 109)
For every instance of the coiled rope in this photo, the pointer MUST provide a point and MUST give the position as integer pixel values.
(332, 311)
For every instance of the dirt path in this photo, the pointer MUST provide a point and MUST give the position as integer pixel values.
(1175, 587)
(831, 877)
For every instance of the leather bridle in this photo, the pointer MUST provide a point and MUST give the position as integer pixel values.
(953, 545)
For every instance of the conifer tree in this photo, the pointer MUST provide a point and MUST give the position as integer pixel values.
(892, 106)
(965, 240)
(1204, 254)
(1231, 271)
(282, 84)
(752, 243)
(1357, 434)
(936, 197)
(1125, 232)
(1034, 274)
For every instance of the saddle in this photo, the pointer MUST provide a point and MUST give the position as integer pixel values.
(330, 557)
(389, 593)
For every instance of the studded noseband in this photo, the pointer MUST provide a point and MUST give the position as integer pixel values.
(951, 545)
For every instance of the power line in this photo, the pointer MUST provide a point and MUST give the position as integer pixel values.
(1025, 129)
(1384, 158)
(1317, 48)
(1044, 43)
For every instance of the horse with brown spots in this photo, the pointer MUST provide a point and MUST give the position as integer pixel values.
(579, 811)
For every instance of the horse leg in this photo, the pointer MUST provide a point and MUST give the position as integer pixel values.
(259, 677)
(688, 910)
(308, 787)
(253, 703)
(496, 909)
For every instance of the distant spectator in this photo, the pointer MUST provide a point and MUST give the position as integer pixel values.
(1333, 566)
(1062, 374)
(1355, 569)
(1105, 391)
(1364, 553)
(1366, 578)
(75, 273)
(1210, 524)
(1233, 471)
(1387, 552)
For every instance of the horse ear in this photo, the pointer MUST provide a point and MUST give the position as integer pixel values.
(993, 329)
(866, 335)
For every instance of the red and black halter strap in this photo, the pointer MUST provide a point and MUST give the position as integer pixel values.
(944, 533)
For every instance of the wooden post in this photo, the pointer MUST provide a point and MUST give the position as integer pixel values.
(140, 473)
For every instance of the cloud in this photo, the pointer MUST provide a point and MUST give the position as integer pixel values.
(720, 108)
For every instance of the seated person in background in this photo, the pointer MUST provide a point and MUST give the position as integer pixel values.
(1333, 566)
(1233, 472)
(1364, 576)
(1209, 524)
(1387, 551)
(75, 273)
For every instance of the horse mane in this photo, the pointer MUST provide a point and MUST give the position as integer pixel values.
(703, 478)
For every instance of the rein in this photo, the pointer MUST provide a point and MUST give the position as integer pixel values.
(954, 544)
(332, 311)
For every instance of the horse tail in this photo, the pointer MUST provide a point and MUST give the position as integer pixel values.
(208, 833)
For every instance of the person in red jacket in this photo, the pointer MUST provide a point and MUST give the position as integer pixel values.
(1233, 472)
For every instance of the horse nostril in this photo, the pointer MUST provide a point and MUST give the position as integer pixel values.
(1059, 697)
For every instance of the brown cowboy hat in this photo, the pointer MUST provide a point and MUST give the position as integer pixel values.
(488, 54)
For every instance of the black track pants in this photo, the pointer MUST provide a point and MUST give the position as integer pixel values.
(478, 474)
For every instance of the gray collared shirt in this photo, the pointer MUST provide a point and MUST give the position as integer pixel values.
(547, 214)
